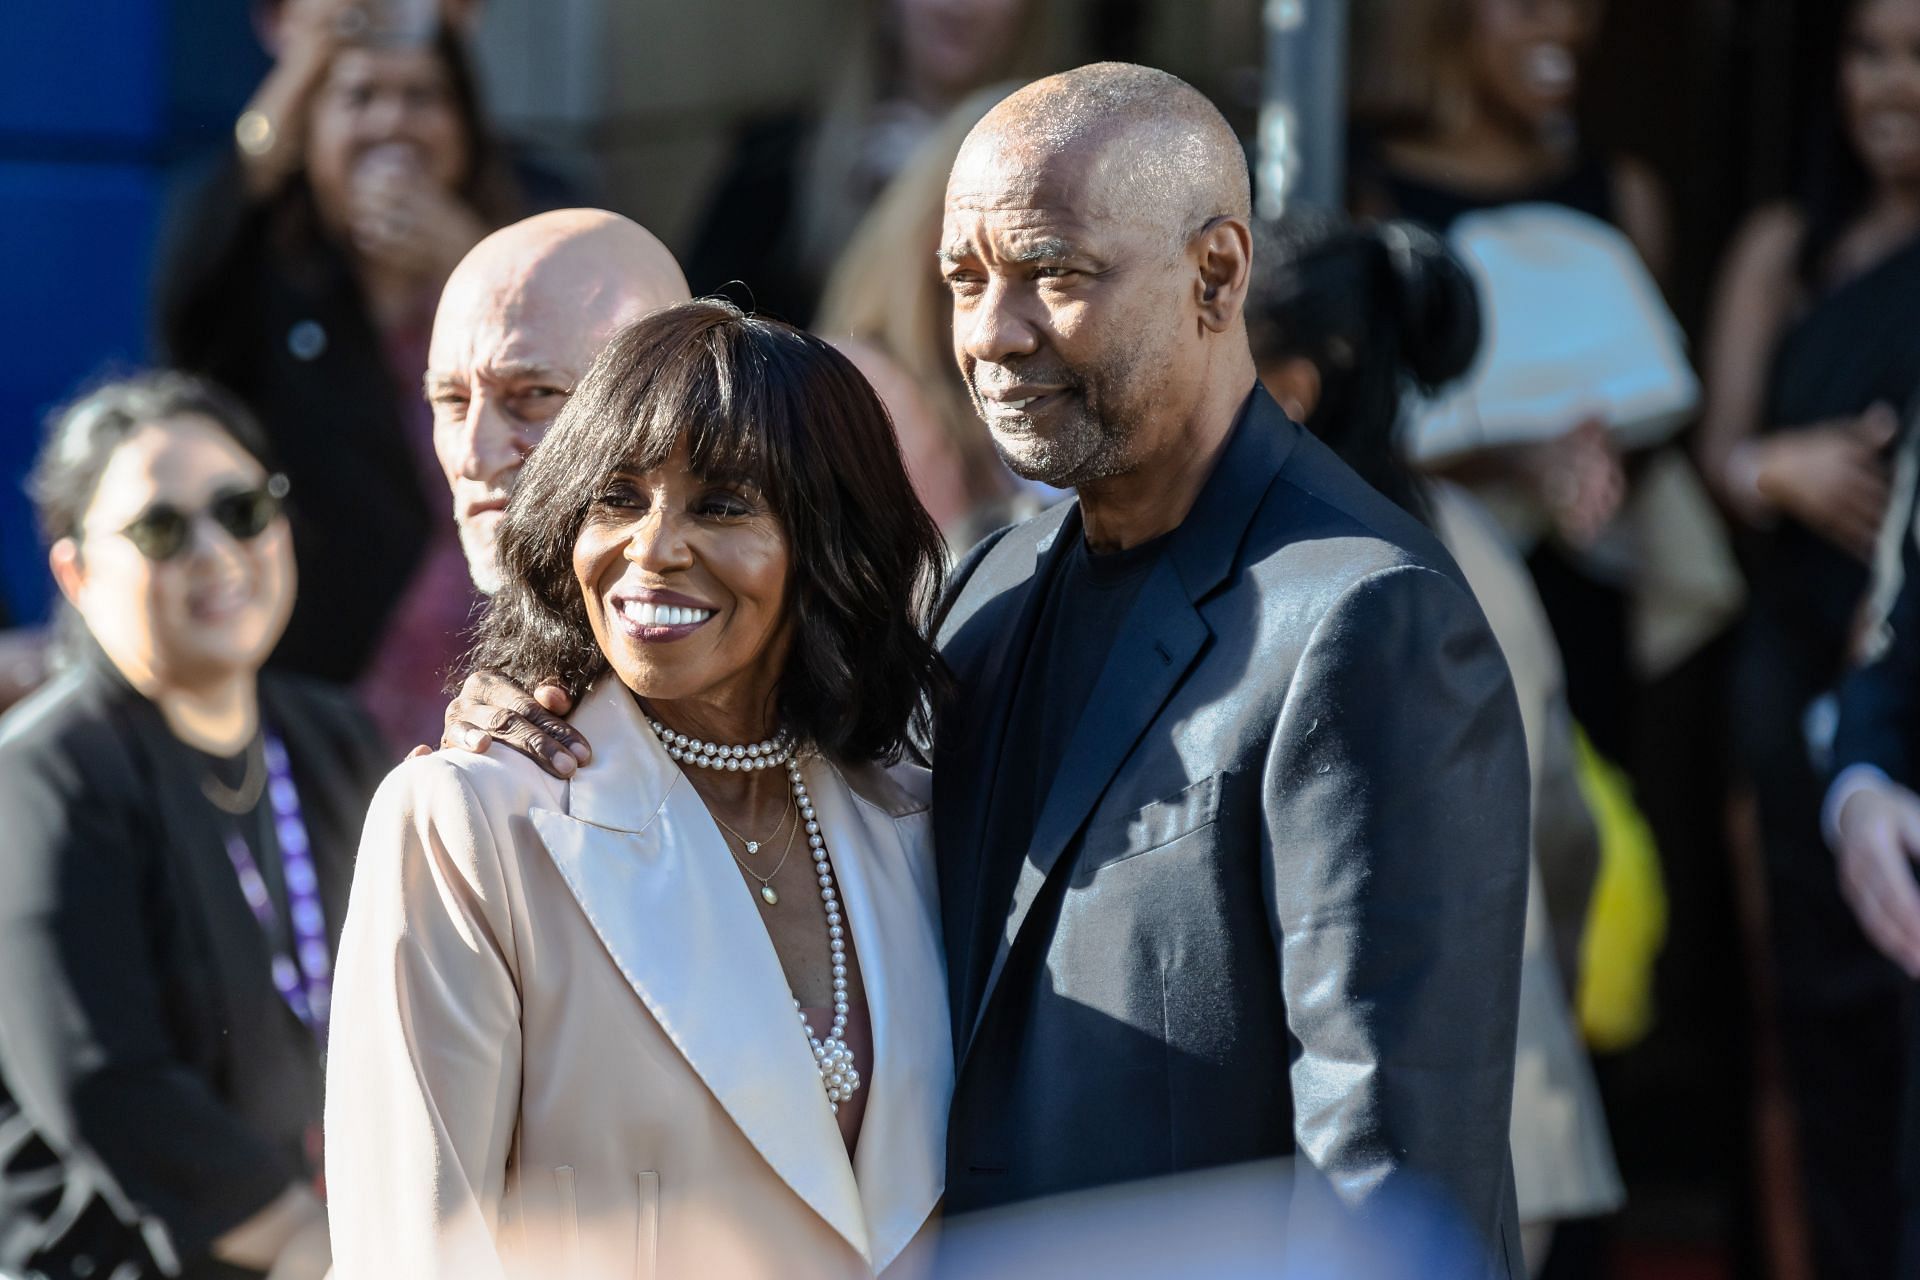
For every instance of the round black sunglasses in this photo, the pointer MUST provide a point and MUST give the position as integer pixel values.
(163, 530)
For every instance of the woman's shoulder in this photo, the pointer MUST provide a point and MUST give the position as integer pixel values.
(466, 787)
(1768, 241)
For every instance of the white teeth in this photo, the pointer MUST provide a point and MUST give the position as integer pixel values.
(663, 615)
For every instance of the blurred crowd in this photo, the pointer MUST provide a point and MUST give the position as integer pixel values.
(1682, 548)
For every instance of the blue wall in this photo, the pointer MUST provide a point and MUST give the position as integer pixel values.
(98, 103)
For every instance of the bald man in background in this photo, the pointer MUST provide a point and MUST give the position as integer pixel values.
(1230, 810)
(519, 321)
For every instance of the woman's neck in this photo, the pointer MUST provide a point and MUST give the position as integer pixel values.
(1488, 148)
(393, 299)
(219, 719)
(710, 722)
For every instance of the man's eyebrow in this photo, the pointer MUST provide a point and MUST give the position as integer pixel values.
(507, 370)
(1050, 249)
(437, 380)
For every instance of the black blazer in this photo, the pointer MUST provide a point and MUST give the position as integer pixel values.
(150, 1073)
(1275, 899)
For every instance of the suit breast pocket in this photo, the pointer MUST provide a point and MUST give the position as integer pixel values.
(1149, 829)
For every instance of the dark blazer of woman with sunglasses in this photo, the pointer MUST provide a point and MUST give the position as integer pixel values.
(179, 830)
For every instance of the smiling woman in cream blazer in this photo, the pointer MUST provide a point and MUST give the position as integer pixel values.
(565, 1035)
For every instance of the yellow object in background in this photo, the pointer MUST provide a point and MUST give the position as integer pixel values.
(1627, 919)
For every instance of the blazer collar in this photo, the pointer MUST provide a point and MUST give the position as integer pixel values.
(651, 871)
(1204, 547)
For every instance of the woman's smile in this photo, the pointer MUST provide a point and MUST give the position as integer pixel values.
(654, 617)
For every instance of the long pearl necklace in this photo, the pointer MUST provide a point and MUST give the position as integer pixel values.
(831, 1056)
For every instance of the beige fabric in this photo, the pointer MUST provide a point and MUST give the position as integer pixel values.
(1563, 1164)
(562, 1044)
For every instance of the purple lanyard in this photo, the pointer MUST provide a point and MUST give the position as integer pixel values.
(305, 978)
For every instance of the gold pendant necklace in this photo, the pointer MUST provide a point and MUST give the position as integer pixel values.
(768, 894)
(753, 846)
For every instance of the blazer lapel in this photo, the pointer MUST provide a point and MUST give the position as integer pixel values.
(986, 645)
(651, 872)
(1163, 636)
(883, 866)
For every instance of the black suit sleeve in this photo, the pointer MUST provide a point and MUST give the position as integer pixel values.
(1877, 702)
(84, 1044)
(1396, 796)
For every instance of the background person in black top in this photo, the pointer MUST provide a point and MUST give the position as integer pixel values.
(161, 1027)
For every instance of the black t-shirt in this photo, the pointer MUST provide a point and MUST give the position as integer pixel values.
(1087, 600)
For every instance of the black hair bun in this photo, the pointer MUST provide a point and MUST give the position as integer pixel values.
(1438, 305)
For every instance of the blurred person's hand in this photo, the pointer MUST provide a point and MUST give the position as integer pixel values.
(490, 708)
(287, 1239)
(1831, 477)
(1877, 841)
(303, 40)
(1577, 479)
(402, 221)
(307, 1256)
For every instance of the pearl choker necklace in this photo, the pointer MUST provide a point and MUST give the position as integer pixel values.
(831, 1057)
(775, 751)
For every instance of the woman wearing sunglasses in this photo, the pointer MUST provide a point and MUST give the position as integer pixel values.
(179, 830)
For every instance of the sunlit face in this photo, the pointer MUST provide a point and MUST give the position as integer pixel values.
(685, 584)
(1073, 316)
(951, 47)
(1880, 87)
(383, 108)
(215, 609)
(499, 370)
(1523, 56)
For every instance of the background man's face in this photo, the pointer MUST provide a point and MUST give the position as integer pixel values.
(500, 368)
(1068, 310)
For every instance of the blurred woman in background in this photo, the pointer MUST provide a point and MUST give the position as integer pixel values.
(886, 294)
(1466, 106)
(797, 186)
(1811, 361)
(180, 830)
(303, 274)
(1345, 321)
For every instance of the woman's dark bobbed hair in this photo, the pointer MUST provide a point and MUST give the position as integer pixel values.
(758, 401)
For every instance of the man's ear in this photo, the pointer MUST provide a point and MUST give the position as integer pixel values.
(1295, 383)
(1224, 254)
(63, 558)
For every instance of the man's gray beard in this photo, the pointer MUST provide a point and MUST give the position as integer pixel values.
(482, 565)
(1084, 449)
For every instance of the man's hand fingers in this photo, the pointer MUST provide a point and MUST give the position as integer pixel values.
(499, 709)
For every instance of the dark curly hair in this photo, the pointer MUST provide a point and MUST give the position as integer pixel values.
(755, 400)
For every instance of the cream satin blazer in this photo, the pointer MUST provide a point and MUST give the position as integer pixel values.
(562, 1044)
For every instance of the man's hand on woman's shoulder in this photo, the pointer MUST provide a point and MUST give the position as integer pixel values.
(491, 708)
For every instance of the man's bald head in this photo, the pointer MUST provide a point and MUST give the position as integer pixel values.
(520, 320)
(1142, 140)
(574, 275)
(1096, 240)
